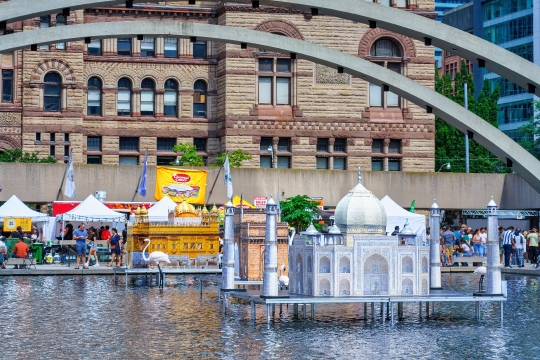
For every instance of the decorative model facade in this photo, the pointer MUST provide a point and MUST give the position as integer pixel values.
(190, 236)
(356, 258)
(249, 234)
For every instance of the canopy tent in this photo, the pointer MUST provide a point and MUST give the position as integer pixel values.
(15, 208)
(397, 216)
(160, 211)
(91, 209)
(236, 203)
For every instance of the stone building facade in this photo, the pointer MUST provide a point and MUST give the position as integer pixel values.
(110, 100)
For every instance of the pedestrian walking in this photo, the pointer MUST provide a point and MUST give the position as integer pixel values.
(115, 248)
(92, 241)
(517, 249)
(80, 236)
(501, 248)
(508, 240)
(448, 238)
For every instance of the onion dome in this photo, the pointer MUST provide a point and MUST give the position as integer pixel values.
(215, 211)
(205, 211)
(184, 208)
(138, 211)
(360, 212)
(144, 211)
(311, 230)
(334, 230)
(406, 229)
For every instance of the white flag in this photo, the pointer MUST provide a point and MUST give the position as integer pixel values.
(228, 178)
(69, 189)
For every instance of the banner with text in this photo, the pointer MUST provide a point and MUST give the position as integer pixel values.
(11, 224)
(179, 184)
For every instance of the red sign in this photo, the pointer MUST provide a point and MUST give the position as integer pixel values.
(260, 201)
(181, 178)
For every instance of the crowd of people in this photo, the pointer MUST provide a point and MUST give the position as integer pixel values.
(516, 246)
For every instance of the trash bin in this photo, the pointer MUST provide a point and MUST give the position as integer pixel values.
(38, 255)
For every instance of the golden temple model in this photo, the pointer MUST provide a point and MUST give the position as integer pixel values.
(190, 237)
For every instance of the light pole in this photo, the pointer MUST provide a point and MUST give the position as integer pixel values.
(443, 165)
(271, 152)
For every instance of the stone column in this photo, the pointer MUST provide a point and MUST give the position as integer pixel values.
(275, 142)
(136, 102)
(270, 278)
(493, 265)
(159, 106)
(434, 247)
(228, 249)
(159, 46)
(331, 143)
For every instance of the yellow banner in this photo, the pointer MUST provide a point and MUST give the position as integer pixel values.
(11, 224)
(179, 184)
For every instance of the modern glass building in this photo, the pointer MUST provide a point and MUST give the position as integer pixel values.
(513, 25)
(442, 6)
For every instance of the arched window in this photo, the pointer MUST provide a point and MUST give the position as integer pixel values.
(123, 103)
(94, 96)
(60, 21)
(199, 99)
(324, 265)
(52, 92)
(388, 49)
(148, 87)
(170, 97)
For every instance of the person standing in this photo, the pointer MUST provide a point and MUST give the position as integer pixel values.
(517, 249)
(483, 242)
(68, 232)
(106, 234)
(477, 242)
(116, 250)
(396, 231)
(92, 237)
(448, 238)
(508, 240)
(501, 248)
(80, 236)
(17, 234)
(533, 246)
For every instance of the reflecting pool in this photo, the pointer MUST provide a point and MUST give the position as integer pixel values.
(80, 317)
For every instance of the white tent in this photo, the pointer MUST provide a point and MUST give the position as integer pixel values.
(15, 208)
(160, 211)
(397, 216)
(91, 209)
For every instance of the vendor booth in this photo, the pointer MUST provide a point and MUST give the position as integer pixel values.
(397, 216)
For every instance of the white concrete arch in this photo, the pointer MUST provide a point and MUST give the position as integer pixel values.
(473, 48)
(488, 136)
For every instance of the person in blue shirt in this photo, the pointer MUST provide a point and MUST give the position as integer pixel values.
(80, 236)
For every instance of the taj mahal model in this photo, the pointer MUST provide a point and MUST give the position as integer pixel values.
(356, 257)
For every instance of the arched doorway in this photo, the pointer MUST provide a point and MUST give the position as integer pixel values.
(324, 287)
(299, 274)
(407, 287)
(344, 287)
(376, 275)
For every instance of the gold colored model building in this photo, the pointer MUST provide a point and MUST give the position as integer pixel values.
(189, 237)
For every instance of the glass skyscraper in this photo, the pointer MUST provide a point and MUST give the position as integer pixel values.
(441, 6)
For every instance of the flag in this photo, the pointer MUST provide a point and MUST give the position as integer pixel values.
(69, 189)
(142, 186)
(278, 205)
(228, 178)
(412, 206)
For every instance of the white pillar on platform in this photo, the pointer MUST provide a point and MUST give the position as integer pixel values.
(493, 265)
(434, 247)
(270, 278)
(228, 249)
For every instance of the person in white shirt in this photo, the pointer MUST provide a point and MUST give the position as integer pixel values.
(517, 249)
(483, 244)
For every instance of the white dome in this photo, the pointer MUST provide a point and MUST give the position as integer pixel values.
(360, 212)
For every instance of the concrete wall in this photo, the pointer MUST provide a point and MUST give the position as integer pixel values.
(39, 183)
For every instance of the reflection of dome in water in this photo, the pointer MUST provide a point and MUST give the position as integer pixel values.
(184, 208)
(360, 212)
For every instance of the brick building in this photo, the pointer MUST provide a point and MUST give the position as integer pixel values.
(110, 100)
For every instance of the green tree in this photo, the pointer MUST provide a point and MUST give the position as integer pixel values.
(17, 155)
(449, 141)
(235, 158)
(531, 133)
(298, 211)
(189, 155)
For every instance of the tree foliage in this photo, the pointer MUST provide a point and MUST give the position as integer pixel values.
(235, 158)
(298, 211)
(189, 155)
(531, 133)
(450, 142)
(17, 155)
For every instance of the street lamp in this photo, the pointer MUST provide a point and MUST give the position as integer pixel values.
(271, 152)
(443, 165)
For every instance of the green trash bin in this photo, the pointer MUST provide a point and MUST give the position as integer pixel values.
(38, 255)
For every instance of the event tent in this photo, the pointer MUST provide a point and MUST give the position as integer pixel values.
(15, 208)
(160, 211)
(397, 216)
(91, 209)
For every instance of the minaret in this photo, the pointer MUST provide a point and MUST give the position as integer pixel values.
(434, 247)
(270, 277)
(228, 249)
(493, 264)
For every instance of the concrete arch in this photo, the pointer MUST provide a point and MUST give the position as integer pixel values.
(488, 136)
(470, 47)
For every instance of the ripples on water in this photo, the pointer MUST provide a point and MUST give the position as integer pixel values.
(89, 317)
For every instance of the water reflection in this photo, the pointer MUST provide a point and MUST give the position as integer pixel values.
(90, 317)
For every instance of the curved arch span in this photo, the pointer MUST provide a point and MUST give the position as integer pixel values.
(501, 61)
(526, 165)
